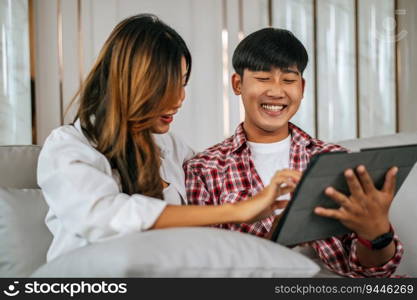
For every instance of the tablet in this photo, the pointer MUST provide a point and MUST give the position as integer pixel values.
(300, 224)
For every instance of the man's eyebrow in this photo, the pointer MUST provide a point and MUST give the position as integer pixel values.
(260, 71)
(290, 71)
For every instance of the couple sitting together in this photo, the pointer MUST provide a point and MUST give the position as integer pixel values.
(117, 170)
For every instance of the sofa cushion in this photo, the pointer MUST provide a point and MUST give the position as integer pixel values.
(23, 234)
(182, 252)
(403, 212)
(404, 138)
(18, 166)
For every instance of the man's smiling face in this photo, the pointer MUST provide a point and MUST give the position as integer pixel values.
(270, 99)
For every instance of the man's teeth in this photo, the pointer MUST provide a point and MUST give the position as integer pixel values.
(272, 107)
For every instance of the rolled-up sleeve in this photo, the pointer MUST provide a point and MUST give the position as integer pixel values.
(385, 270)
(78, 186)
(340, 256)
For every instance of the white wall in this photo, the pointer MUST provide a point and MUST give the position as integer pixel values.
(407, 64)
(15, 98)
(212, 30)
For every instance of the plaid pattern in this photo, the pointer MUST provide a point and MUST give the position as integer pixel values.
(225, 173)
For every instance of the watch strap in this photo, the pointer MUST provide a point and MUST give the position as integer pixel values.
(379, 242)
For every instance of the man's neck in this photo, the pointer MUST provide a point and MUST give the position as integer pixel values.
(258, 135)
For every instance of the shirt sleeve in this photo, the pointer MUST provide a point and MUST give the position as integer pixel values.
(339, 254)
(197, 193)
(78, 186)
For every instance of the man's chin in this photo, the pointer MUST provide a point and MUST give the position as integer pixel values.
(273, 128)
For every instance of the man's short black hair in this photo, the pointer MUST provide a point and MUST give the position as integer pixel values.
(269, 48)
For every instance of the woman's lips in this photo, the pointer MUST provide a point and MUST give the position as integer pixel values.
(167, 118)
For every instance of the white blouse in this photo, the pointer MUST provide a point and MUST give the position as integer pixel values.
(84, 194)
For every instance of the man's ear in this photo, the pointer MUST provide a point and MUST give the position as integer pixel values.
(236, 83)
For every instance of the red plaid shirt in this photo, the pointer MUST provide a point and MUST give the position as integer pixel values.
(225, 173)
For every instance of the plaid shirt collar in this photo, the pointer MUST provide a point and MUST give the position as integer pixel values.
(298, 137)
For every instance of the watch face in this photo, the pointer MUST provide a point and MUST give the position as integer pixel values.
(382, 241)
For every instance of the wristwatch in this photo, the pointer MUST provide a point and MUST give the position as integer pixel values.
(379, 242)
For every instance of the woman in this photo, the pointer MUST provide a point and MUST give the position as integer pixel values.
(112, 171)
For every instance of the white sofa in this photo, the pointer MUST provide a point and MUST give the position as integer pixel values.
(180, 252)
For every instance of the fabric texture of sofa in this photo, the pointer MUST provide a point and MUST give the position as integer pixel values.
(176, 252)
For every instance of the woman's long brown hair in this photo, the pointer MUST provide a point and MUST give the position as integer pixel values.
(136, 78)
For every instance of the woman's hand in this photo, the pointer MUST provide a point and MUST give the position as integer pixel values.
(264, 203)
(365, 211)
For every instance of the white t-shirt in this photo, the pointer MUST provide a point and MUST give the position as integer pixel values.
(270, 158)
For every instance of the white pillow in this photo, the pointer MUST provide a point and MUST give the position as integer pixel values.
(182, 252)
(24, 237)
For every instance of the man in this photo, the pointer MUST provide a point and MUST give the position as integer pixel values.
(269, 64)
